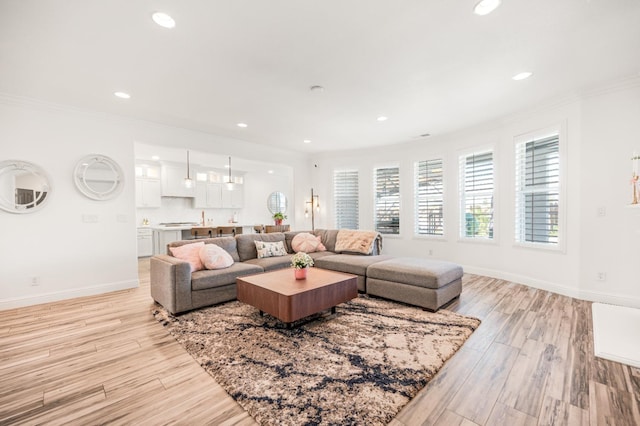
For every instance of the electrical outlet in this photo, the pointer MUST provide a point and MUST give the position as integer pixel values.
(602, 211)
(601, 276)
(35, 281)
(90, 218)
(430, 252)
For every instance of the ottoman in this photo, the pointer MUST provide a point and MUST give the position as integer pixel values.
(426, 283)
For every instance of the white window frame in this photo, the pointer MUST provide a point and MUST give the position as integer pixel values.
(336, 198)
(560, 130)
(375, 199)
(428, 197)
(462, 195)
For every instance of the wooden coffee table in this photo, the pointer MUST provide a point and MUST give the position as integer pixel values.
(278, 293)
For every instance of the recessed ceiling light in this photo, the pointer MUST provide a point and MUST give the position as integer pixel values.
(155, 157)
(306, 141)
(522, 75)
(243, 125)
(122, 95)
(317, 88)
(382, 118)
(485, 7)
(270, 172)
(163, 19)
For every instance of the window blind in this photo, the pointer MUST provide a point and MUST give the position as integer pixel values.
(476, 196)
(538, 190)
(345, 195)
(387, 200)
(429, 197)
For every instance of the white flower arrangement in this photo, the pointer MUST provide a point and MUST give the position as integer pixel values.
(301, 260)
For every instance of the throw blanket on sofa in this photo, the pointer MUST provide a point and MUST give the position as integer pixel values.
(358, 241)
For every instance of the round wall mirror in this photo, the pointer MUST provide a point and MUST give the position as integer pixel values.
(24, 187)
(98, 177)
(277, 202)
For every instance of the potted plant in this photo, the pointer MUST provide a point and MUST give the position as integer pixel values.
(279, 217)
(301, 262)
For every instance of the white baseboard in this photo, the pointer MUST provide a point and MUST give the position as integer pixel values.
(576, 293)
(19, 302)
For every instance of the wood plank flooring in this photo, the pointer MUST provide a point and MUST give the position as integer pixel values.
(105, 360)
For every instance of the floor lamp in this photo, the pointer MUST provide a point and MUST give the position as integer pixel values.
(314, 200)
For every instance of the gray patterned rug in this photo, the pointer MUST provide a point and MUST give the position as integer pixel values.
(360, 366)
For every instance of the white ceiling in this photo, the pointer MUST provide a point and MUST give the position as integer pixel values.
(431, 66)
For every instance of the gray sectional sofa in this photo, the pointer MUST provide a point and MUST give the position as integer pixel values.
(415, 281)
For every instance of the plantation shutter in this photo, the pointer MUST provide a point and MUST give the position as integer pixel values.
(429, 197)
(387, 200)
(345, 195)
(477, 184)
(538, 190)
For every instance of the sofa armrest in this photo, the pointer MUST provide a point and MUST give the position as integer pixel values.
(171, 283)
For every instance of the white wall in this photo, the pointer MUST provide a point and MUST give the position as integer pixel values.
(601, 134)
(70, 257)
(611, 243)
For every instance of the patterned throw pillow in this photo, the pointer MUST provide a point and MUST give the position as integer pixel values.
(267, 249)
(189, 253)
(307, 243)
(215, 257)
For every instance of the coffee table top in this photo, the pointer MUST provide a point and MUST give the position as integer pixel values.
(284, 282)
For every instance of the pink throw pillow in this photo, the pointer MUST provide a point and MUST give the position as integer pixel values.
(307, 243)
(215, 257)
(189, 253)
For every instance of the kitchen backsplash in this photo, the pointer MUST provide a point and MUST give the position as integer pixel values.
(181, 210)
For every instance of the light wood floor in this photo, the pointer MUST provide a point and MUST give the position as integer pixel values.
(104, 359)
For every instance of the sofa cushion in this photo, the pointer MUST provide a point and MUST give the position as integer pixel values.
(247, 247)
(189, 253)
(418, 272)
(307, 243)
(349, 263)
(320, 254)
(205, 279)
(328, 237)
(272, 263)
(215, 257)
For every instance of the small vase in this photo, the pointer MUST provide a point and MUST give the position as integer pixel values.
(278, 222)
(301, 273)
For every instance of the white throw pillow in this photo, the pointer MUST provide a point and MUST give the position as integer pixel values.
(270, 249)
(307, 243)
(215, 257)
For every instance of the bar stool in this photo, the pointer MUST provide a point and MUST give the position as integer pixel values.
(226, 230)
(277, 228)
(259, 229)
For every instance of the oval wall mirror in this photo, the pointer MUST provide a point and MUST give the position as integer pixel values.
(277, 202)
(24, 187)
(99, 177)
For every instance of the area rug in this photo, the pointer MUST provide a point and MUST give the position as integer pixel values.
(358, 366)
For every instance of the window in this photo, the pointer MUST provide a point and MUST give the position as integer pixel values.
(387, 200)
(537, 189)
(476, 195)
(345, 195)
(429, 197)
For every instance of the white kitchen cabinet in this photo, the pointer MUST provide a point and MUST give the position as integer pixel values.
(208, 195)
(145, 242)
(234, 198)
(147, 193)
(163, 237)
(173, 181)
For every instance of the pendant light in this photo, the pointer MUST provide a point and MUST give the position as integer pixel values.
(188, 182)
(229, 179)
